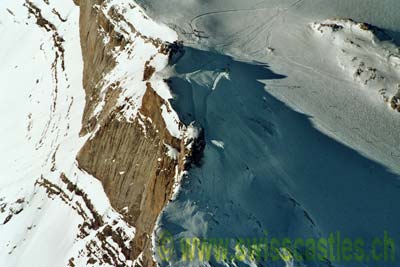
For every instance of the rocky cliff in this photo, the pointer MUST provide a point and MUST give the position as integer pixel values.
(132, 150)
(101, 150)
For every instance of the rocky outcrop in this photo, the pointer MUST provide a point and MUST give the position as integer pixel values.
(129, 154)
(395, 101)
(366, 53)
(96, 231)
(97, 56)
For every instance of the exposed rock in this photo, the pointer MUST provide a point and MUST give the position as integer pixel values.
(98, 249)
(129, 157)
(395, 102)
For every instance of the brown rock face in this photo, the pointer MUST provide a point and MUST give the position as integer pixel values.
(395, 102)
(134, 169)
(129, 158)
(97, 57)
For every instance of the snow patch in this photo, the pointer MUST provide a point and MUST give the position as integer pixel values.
(173, 153)
(171, 120)
(217, 143)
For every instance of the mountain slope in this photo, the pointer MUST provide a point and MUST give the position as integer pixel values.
(268, 117)
(90, 105)
(46, 221)
(267, 167)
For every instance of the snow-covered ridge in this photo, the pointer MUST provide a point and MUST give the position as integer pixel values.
(367, 54)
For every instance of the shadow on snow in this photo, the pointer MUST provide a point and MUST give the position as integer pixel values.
(266, 167)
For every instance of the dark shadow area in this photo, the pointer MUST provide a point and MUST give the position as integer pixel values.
(267, 168)
(394, 35)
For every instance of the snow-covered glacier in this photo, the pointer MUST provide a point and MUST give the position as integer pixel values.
(127, 123)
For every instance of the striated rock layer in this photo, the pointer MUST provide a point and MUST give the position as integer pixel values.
(130, 138)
